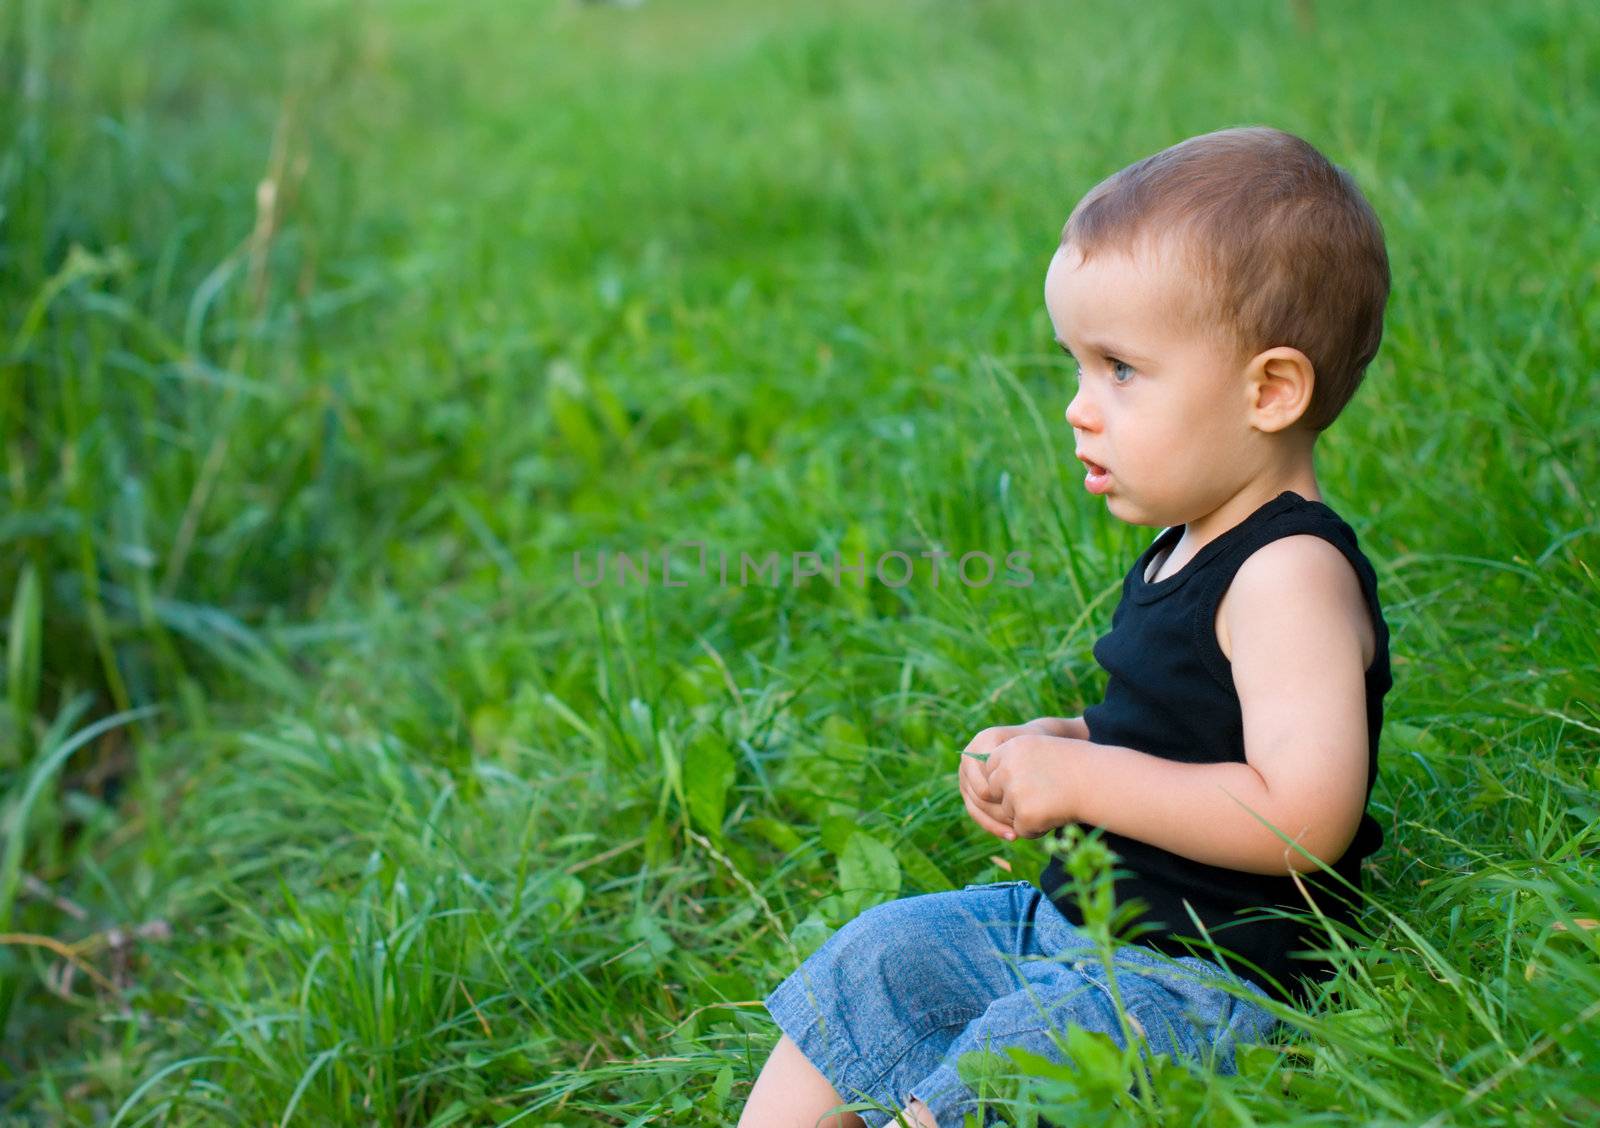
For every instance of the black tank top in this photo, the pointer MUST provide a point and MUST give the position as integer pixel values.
(1171, 694)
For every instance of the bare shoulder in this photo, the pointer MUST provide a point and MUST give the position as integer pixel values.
(1299, 580)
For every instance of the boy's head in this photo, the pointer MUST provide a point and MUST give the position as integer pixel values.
(1240, 264)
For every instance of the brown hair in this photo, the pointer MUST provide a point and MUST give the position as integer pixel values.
(1290, 249)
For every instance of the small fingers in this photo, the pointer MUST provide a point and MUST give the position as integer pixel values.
(993, 826)
(982, 815)
(974, 779)
(991, 738)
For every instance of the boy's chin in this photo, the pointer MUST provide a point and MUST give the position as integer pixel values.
(1130, 514)
(1121, 510)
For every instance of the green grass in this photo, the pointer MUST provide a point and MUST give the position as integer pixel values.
(418, 830)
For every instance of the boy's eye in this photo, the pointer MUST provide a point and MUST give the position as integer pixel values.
(1117, 365)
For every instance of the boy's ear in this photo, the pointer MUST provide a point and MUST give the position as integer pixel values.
(1281, 381)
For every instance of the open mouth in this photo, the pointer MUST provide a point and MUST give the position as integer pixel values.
(1098, 478)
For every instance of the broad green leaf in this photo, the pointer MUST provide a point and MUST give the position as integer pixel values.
(780, 834)
(708, 771)
(810, 934)
(868, 872)
(836, 832)
(921, 869)
(1097, 1057)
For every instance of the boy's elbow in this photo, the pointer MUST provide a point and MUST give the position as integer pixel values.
(1302, 832)
(1298, 862)
(1312, 850)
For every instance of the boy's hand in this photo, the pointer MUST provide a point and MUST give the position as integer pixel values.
(989, 739)
(1015, 786)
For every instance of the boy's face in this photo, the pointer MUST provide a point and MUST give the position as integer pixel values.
(1162, 408)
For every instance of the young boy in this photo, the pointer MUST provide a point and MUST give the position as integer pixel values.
(1222, 300)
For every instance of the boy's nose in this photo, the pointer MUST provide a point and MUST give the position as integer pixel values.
(1079, 415)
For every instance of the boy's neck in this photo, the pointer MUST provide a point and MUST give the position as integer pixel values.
(1297, 472)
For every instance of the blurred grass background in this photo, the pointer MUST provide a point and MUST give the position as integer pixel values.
(332, 331)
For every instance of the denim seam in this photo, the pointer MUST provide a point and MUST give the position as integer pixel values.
(1044, 1022)
(960, 1099)
(943, 1019)
(1105, 989)
(1213, 1037)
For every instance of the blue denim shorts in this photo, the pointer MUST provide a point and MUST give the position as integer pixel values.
(890, 1001)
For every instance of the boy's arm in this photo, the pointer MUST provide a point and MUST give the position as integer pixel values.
(1294, 616)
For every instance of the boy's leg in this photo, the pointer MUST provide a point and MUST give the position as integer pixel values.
(876, 1007)
(1177, 1008)
(790, 1091)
